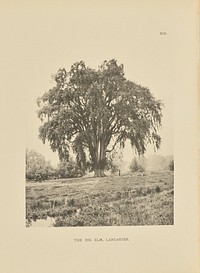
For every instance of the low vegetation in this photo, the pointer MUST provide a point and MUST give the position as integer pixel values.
(139, 199)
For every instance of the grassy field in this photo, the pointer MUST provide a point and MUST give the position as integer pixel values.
(109, 201)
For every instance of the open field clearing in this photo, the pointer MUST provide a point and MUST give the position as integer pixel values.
(109, 201)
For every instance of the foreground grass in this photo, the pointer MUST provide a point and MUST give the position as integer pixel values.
(108, 201)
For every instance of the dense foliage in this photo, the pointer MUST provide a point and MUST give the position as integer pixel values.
(67, 169)
(92, 111)
(135, 166)
(37, 168)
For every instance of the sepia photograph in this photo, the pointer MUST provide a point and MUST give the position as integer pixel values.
(99, 136)
(114, 168)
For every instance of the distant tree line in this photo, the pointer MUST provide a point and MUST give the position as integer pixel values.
(38, 169)
(155, 162)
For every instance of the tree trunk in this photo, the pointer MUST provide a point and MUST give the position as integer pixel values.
(97, 149)
(99, 172)
(99, 165)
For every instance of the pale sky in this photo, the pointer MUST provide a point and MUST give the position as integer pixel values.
(47, 38)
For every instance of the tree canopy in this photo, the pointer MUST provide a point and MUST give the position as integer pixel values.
(92, 111)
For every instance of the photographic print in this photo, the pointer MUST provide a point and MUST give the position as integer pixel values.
(101, 125)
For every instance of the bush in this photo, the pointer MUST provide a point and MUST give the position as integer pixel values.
(157, 189)
(114, 161)
(135, 167)
(37, 168)
(68, 169)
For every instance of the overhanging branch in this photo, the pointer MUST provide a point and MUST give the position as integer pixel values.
(108, 151)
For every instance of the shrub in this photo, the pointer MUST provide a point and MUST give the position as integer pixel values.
(136, 167)
(37, 167)
(148, 191)
(158, 189)
(68, 169)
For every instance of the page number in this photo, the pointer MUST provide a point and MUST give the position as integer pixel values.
(163, 33)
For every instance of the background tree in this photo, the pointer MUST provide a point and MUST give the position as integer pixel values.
(159, 163)
(135, 166)
(98, 109)
(67, 169)
(114, 161)
(37, 167)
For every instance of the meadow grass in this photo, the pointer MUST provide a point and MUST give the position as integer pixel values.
(109, 201)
